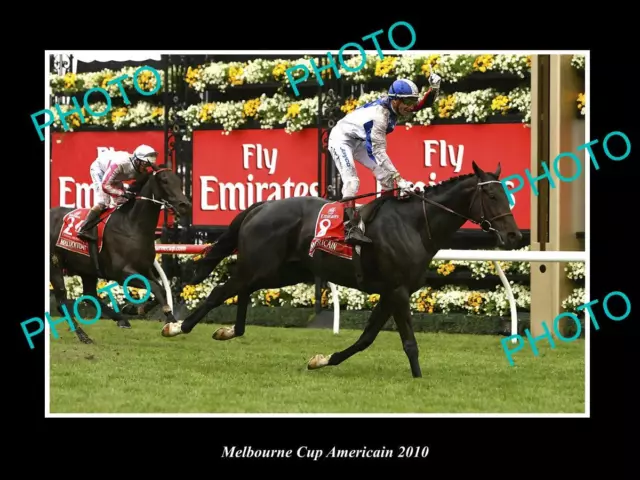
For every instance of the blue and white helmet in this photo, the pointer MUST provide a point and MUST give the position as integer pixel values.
(403, 88)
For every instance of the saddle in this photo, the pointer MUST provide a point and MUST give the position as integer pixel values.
(68, 238)
(329, 235)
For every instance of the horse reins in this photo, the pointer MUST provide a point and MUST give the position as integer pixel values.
(484, 224)
(164, 203)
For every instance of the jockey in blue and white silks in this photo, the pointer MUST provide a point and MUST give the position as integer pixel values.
(362, 136)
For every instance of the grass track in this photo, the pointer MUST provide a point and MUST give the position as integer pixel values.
(139, 371)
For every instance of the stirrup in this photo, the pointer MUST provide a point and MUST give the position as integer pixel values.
(355, 236)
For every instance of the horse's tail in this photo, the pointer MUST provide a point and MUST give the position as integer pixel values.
(222, 248)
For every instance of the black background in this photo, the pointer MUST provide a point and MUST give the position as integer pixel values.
(501, 446)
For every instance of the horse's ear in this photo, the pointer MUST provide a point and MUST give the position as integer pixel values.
(477, 170)
(498, 170)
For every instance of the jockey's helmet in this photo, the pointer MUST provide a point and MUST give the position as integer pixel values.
(404, 89)
(144, 154)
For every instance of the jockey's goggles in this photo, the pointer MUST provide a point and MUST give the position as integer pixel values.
(411, 101)
(149, 158)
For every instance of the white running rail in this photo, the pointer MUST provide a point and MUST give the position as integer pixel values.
(494, 256)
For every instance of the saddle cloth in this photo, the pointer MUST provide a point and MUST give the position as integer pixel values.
(329, 232)
(71, 223)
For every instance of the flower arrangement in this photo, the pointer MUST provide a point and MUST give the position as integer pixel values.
(72, 83)
(74, 290)
(575, 270)
(222, 75)
(295, 114)
(452, 67)
(574, 300)
(577, 62)
(135, 115)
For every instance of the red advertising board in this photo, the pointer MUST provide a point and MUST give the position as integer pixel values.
(230, 172)
(72, 155)
(430, 154)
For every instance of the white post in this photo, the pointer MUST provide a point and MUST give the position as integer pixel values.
(512, 300)
(165, 282)
(336, 308)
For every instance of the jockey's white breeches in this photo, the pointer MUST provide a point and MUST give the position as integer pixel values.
(344, 153)
(100, 198)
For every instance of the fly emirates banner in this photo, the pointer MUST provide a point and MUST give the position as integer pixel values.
(231, 172)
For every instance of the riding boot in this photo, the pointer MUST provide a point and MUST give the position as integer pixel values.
(354, 235)
(86, 232)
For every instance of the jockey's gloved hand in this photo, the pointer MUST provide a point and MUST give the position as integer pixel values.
(404, 186)
(434, 80)
(129, 195)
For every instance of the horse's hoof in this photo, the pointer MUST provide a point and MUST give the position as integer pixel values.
(224, 333)
(124, 323)
(172, 329)
(86, 340)
(318, 361)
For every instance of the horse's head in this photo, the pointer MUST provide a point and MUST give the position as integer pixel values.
(490, 206)
(165, 185)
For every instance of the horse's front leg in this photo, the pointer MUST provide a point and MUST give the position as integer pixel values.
(378, 318)
(402, 316)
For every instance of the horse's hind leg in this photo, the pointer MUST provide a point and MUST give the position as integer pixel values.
(89, 288)
(60, 292)
(227, 333)
(218, 295)
(378, 318)
(287, 275)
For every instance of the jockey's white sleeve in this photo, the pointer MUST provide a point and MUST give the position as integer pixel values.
(368, 126)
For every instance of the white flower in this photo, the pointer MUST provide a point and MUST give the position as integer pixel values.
(455, 67)
(213, 74)
(520, 99)
(516, 64)
(578, 62)
(575, 299)
(575, 270)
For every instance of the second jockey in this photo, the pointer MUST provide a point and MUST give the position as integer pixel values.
(362, 136)
(108, 172)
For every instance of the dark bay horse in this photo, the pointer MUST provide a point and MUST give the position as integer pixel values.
(128, 245)
(272, 239)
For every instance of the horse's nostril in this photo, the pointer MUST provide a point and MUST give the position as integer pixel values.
(514, 236)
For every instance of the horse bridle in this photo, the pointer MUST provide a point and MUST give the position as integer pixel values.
(484, 224)
(164, 203)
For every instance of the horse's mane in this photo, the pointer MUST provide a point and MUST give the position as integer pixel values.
(445, 184)
(437, 188)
